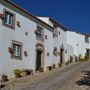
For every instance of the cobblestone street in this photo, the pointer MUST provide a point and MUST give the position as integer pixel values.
(72, 77)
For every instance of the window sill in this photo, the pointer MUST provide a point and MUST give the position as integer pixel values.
(40, 38)
(16, 57)
(6, 25)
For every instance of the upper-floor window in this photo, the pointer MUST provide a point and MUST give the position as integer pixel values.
(86, 39)
(55, 33)
(39, 33)
(9, 19)
(55, 51)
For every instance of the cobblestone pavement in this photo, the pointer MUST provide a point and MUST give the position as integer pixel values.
(72, 77)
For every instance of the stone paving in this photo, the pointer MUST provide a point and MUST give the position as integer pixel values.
(64, 78)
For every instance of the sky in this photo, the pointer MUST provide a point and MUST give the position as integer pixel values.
(73, 14)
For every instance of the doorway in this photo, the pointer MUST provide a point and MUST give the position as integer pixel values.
(61, 55)
(39, 57)
(38, 60)
(88, 53)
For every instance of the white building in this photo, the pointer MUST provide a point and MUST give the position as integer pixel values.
(80, 43)
(29, 42)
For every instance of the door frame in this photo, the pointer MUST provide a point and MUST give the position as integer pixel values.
(40, 47)
(62, 51)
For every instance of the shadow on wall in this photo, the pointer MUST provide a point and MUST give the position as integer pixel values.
(85, 79)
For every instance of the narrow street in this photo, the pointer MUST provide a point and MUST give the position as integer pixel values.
(69, 78)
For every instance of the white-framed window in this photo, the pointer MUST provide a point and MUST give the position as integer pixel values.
(17, 49)
(9, 19)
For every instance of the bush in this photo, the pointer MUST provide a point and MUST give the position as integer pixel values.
(86, 56)
(17, 73)
(81, 58)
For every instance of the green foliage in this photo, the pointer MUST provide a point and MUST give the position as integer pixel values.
(17, 73)
(81, 58)
(86, 56)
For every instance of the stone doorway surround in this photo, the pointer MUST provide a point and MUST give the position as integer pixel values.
(62, 54)
(40, 48)
(88, 53)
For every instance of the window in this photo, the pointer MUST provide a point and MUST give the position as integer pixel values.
(39, 33)
(55, 51)
(55, 34)
(9, 19)
(17, 50)
(86, 39)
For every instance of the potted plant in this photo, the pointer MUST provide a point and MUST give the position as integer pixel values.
(76, 59)
(59, 64)
(54, 66)
(17, 73)
(71, 59)
(49, 68)
(26, 72)
(4, 78)
(67, 63)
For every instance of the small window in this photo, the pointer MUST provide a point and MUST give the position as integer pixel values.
(17, 50)
(9, 19)
(55, 51)
(86, 39)
(55, 34)
(39, 33)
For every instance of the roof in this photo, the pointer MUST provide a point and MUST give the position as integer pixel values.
(20, 8)
(58, 24)
(54, 22)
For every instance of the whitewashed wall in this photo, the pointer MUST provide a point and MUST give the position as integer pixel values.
(77, 41)
(7, 64)
(48, 49)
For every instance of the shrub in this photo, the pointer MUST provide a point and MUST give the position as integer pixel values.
(81, 58)
(17, 73)
(86, 56)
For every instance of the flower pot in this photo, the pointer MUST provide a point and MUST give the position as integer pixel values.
(4, 78)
